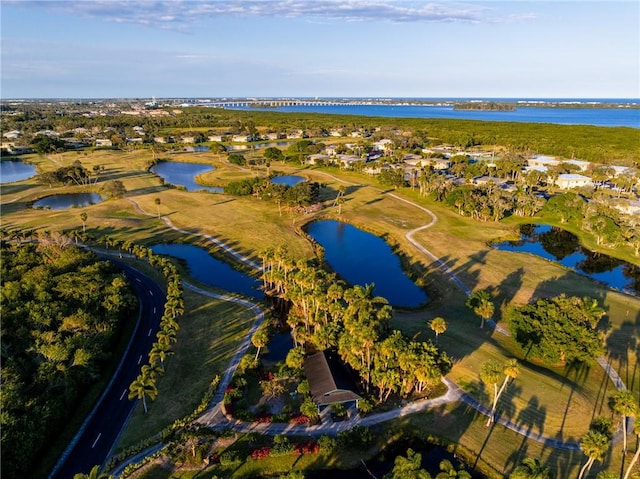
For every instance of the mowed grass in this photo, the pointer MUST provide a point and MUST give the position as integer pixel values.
(556, 402)
(210, 332)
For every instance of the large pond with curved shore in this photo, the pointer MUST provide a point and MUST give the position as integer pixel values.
(183, 174)
(364, 258)
(68, 200)
(211, 271)
(556, 244)
(12, 171)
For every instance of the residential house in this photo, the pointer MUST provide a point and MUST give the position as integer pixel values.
(101, 142)
(383, 145)
(573, 180)
(329, 380)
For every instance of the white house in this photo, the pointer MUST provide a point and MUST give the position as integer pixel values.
(573, 180)
(103, 142)
(383, 145)
(12, 135)
(541, 162)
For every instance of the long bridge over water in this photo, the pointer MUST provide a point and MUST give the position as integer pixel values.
(276, 103)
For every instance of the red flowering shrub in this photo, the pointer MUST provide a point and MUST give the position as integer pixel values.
(309, 447)
(265, 376)
(263, 418)
(260, 453)
(299, 419)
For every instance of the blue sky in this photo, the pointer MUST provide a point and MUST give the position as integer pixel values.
(325, 48)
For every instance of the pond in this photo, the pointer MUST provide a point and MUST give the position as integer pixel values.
(363, 258)
(558, 245)
(69, 200)
(432, 456)
(183, 174)
(278, 347)
(211, 271)
(288, 180)
(12, 171)
(196, 149)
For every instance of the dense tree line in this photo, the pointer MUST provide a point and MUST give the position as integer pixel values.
(563, 329)
(62, 310)
(324, 313)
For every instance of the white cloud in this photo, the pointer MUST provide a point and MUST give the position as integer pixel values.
(178, 14)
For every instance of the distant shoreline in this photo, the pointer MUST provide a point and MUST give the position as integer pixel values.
(507, 104)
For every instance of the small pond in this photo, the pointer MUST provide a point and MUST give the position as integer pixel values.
(211, 271)
(66, 201)
(378, 466)
(363, 258)
(288, 180)
(12, 171)
(278, 347)
(558, 245)
(183, 174)
(196, 149)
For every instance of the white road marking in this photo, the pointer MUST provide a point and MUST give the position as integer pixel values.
(151, 292)
(138, 280)
(122, 395)
(149, 333)
(140, 360)
(96, 441)
(154, 310)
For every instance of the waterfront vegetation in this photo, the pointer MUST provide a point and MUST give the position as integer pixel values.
(559, 400)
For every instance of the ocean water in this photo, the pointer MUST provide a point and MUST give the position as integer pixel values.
(564, 111)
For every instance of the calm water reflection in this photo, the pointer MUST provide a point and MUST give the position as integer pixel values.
(558, 245)
(288, 180)
(211, 271)
(183, 174)
(66, 201)
(363, 258)
(12, 171)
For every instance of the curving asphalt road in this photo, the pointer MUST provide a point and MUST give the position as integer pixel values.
(97, 436)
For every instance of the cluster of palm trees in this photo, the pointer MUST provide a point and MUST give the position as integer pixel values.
(596, 442)
(323, 313)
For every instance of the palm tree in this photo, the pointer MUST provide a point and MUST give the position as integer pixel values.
(438, 325)
(623, 402)
(167, 336)
(160, 352)
(594, 444)
(260, 338)
(448, 471)
(143, 387)
(93, 474)
(83, 217)
(634, 460)
(531, 468)
(481, 304)
(491, 372)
